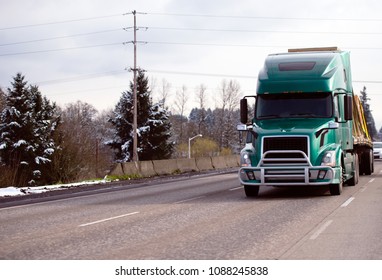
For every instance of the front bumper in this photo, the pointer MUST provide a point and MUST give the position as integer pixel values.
(285, 171)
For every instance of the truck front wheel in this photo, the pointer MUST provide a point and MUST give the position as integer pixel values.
(336, 189)
(251, 191)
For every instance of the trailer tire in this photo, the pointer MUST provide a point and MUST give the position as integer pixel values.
(368, 162)
(251, 191)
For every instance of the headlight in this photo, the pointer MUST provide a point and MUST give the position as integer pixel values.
(329, 159)
(245, 160)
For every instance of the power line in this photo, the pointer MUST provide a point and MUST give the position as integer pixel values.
(235, 75)
(266, 18)
(61, 37)
(81, 77)
(243, 45)
(368, 82)
(58, 22)
(192, 29)
(264, 31)
(201, 74)
(62, 49)
(170, 43)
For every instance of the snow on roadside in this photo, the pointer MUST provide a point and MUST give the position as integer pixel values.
(12, 191)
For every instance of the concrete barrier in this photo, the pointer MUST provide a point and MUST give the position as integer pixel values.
(186, 164)
(146, 169)
(170, 166)
(130, 168)
(165, 166)
(117, 170)
(231, 161)
(219, 162)
(204, 163)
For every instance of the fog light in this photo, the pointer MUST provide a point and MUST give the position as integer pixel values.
(321, 174)
(250, 175)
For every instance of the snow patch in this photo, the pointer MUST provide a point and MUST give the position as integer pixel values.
(19, 143)
(12, 191)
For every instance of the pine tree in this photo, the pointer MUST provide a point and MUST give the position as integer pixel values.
(153, 126)
(368, 114)
(27, 125)
(2, 100)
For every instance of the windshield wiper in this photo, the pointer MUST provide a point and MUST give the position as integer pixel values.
(268, 117)
(304, 115)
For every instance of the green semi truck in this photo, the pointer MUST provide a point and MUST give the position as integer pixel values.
(308, 127)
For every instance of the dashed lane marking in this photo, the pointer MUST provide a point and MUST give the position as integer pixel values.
(190, 199)
(321, 230)
(108, 219)
(347, 202)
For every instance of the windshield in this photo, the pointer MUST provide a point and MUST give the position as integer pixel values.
(377, 145)
(294, 105)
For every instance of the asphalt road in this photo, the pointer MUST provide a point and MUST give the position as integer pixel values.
(201, 217)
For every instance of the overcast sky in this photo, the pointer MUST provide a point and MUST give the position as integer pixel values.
(73, 50)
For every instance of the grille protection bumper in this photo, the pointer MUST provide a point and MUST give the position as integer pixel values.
(286, 167)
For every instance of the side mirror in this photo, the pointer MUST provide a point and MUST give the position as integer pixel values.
(348, 103)
(243, 111)
(241, 127)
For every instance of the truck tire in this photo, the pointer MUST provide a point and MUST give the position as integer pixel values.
(368, 162)
(251, 191)
(354, 180)
(336, 189)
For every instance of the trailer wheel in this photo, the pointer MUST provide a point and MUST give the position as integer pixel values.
(368, 162)
(251, 191)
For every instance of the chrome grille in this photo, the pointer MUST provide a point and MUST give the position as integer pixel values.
(285, 144)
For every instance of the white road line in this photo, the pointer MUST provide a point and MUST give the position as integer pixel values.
(108, 219)
(347, 202)
(190, 199)
(234, 189)
(321, 230)
(371, 180)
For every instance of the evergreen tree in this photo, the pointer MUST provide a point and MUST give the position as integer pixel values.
(368, 114)
(153, 126)
(27, 124)
(2, 100)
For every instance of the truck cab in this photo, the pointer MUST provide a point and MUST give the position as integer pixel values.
(302, 127)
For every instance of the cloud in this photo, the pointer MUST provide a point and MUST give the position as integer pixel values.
(234, 40)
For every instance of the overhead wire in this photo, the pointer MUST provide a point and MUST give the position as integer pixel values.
(61, 49)
(58, 22)
(62, 37)
(264, 17)
(263, 31)
(189, 43)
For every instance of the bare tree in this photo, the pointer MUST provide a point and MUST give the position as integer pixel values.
(164, 92)
(78, 143)
(201, 98)
(181, 104)
(229, 99)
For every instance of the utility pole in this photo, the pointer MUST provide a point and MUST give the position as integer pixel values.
(135, 135)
